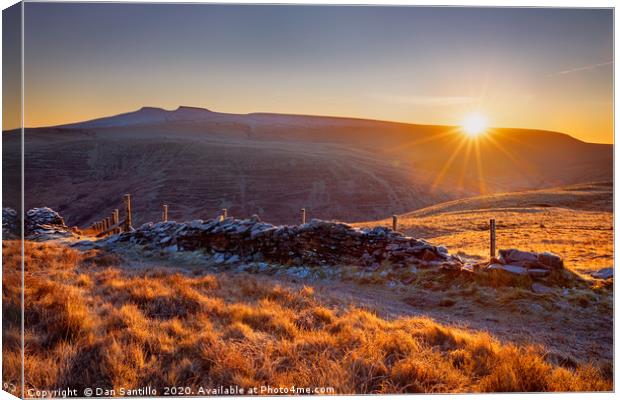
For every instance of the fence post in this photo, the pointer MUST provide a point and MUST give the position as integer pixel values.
(224, 213)
(394, 222)
(115, 220)
(127, 200)
(303, 216)
(165, 214)
(108, 222)
(492, 236)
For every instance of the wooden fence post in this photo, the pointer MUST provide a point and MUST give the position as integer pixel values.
(165, 214)
(395, 222)
(303, 216)
(115, 220)
(492, 236)
(108, 222)
(224, 213)
(127, 200)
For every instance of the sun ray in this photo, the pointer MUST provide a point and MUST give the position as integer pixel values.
(513, 139)
(465, 163)
(448, 163)
(522, 165)
(436, 136)
(479, 168)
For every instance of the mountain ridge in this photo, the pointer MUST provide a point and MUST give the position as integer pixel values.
(200, 161)
(185, 113)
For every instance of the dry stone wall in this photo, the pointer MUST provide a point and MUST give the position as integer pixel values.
(40, 224)
(315, 243)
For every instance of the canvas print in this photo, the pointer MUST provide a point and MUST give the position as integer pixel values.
(233, 199)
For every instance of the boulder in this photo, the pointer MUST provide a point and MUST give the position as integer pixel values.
(43, 215)
(513, 269)
(517, 257)
(442, 249)
(538, 272)
(45, 223)
(10, 224)
(538, 264)
(605, 273)
(551, 260)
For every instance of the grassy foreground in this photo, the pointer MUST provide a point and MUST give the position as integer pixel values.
(90, 322)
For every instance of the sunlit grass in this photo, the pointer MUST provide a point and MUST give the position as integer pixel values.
(565, 222)
(93, 324)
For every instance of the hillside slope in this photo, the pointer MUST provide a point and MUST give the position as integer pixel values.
(200, 161)
(574, 221)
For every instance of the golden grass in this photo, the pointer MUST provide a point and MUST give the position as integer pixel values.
(90, 324)
(573, 222)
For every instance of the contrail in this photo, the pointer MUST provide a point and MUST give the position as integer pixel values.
(584, 68)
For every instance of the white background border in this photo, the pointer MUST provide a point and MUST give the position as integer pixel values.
(478, 3)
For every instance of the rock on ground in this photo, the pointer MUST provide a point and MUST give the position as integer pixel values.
(10, 223)
(40, 224)
(517, 257)
(605, 273)
(45, 223)
(519, 262)
(513, 269)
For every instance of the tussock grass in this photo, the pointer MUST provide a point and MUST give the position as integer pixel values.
(93, 324)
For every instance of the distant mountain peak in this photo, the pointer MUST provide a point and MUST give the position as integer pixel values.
(148, 108)
(180, 108)
(147, 115)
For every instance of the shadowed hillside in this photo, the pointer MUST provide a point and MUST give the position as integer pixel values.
(200, 161)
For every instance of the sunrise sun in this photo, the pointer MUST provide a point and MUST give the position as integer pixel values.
(474, 124)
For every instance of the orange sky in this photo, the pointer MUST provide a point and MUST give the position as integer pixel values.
(368, 62)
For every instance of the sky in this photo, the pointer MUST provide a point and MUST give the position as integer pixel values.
(536, 68)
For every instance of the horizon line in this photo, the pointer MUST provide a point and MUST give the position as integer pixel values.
(179, 107)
